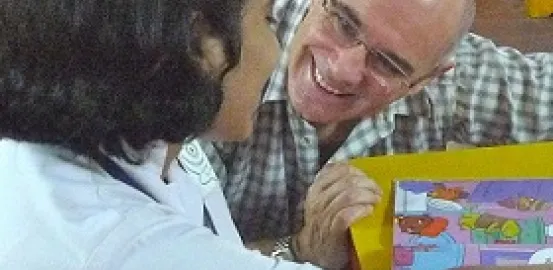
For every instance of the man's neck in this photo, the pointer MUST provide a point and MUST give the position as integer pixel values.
(331, 137)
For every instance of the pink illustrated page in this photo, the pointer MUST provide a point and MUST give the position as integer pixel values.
(493, 222)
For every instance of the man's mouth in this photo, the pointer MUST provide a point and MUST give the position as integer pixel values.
(321, 82)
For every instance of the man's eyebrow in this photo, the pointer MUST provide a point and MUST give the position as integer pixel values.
(351, 14)
(354, 16)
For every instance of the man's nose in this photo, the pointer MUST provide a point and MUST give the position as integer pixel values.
(349, 65)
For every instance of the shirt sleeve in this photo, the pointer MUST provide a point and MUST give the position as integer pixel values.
(502, 95)
(154, 239)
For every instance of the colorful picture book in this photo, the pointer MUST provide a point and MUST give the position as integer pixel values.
(445, 224)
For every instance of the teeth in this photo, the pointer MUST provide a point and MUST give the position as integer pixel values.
(321, 82)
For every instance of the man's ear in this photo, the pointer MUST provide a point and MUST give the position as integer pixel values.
(442, 68)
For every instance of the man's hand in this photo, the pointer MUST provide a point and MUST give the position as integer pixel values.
(340, 195)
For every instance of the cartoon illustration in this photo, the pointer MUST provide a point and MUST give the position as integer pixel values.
(420, 256)
(488, 229)
(542, 256)
(524, 203)
(534, 195)
(429, 253)
(506, 229)
(403, 256)
(446, 224)
(447, 193)
(422, 225)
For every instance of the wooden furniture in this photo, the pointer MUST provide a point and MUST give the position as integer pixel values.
(506, 22)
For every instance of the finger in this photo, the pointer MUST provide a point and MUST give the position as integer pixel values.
(334, 228)
(335, 172)
(350, 197)
(370, 185)
(358, 174)
(326, 177)
(321, 201)
(370, 182)
(344, 210)
(347, 216)
(351, 202)
(313, 229)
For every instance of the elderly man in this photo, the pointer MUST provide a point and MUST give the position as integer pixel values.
(356, 79)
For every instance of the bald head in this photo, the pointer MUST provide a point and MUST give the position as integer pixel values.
(440, 24)
(412, 37)
(467, 18)
(453, 16)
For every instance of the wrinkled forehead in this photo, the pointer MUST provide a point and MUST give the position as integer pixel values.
(419, 30)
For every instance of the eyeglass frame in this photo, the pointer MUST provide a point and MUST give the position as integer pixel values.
(358, 40)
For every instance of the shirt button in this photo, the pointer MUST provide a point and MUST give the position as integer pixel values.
(306, 140)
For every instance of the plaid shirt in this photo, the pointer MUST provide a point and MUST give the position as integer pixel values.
(494, 96)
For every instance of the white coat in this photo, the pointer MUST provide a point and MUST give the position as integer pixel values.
(60, 211)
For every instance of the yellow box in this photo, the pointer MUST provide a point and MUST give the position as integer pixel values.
(372, 236)
(539, 8)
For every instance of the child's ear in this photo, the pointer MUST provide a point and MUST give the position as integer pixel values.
(207, 50)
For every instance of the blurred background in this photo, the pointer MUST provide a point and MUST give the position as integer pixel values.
(507, 23)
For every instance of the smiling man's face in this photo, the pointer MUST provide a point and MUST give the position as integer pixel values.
(352, 58)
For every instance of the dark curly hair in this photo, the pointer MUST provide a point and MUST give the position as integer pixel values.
(85, 74)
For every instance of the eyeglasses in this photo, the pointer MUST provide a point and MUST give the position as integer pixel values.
(341, 28)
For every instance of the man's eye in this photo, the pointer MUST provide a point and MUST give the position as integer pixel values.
(384, 66)
(344, 27)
